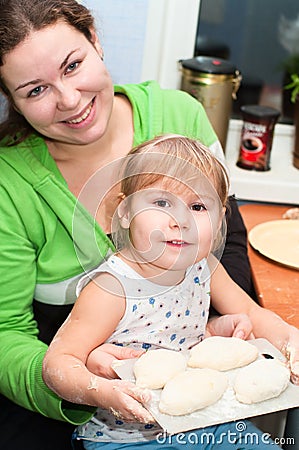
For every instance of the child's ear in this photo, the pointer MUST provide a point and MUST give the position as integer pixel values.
(123, 214)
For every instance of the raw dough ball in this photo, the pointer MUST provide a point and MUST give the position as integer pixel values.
(222, 353)
(261, 380)
(155, 367)
(192, 390)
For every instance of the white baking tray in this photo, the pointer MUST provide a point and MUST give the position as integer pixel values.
(224, 410)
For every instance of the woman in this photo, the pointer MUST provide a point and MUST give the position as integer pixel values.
(66, 121)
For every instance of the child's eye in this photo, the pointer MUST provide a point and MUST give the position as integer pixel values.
(162, 203)
(71, 67)
(36, 91)
(198, 207)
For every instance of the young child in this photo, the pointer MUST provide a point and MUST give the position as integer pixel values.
(155, 291)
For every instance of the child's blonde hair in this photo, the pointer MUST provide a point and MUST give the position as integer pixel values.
(172, 158)
(175, 157)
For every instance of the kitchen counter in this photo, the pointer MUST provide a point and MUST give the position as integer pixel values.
(276, 286)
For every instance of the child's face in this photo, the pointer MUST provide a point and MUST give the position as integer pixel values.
(172, 226)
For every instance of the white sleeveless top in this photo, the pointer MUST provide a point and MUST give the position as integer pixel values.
(171, 317)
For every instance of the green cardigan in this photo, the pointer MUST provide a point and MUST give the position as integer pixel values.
(38, 246)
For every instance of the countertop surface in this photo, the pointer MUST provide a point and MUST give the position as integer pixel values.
(277, 286)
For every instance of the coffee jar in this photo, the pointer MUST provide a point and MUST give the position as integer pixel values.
(257, 137)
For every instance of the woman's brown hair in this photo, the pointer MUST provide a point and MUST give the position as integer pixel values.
(18, 18)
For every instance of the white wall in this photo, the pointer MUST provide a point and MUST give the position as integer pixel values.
(121, 27)
(145, 39)
(170, 36)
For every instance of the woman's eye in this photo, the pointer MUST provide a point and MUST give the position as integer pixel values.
(36, 91)
(71, 67)
(162, 203)
(198, 207)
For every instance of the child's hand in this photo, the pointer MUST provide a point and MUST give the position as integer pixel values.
(291, 352)
(236, 325)
(100, 359)
(124, 400)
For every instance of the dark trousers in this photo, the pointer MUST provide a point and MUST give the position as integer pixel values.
(235, 258)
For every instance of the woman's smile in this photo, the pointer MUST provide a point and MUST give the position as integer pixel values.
(84, 118)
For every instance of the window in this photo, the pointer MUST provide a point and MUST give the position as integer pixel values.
(247, 34)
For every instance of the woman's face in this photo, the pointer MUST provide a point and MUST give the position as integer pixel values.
(59, 83)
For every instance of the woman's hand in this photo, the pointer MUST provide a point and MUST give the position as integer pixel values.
(100, 359)
(124, 400)
(230, 325)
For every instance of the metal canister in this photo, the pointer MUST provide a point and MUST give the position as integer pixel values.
(214, 82)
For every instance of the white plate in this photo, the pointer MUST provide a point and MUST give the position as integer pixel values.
(224, 410)
(277, 240)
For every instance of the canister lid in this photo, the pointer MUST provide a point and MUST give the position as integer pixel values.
(207, 64)
(260, 111)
